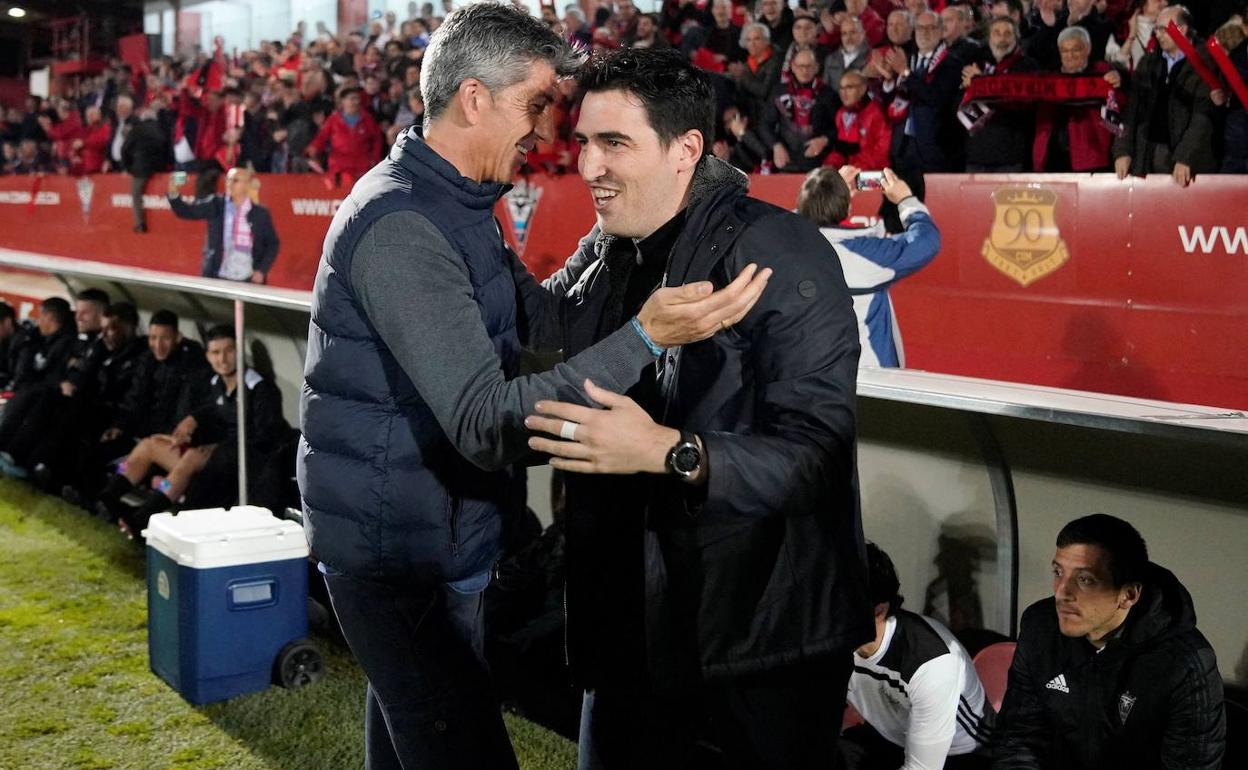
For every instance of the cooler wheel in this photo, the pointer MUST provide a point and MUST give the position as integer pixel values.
(298, 665)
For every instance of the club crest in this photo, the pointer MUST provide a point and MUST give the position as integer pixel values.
(1024, 242)
(1125, 702)
(86, 190)
(521, 206)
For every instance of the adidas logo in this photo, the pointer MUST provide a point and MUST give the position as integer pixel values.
(1058, 683)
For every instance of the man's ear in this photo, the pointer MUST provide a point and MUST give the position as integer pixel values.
(472, 97)
(689, 146)
(1129, 595)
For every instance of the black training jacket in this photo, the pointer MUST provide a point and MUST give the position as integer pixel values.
(1151, 699)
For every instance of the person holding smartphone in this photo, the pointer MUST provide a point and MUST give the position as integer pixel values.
(242, 243)
(872, 259)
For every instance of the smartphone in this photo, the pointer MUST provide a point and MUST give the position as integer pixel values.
(179, 178)
(870, 180)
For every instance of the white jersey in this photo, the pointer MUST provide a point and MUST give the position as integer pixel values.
(920, 691)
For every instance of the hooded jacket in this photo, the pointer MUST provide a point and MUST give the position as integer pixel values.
(44, 361)
(762, 567)
(1152, 698)
(162, 392)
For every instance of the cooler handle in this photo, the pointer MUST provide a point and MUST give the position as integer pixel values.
(251, 594)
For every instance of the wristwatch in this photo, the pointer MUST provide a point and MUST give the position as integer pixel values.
(685, 458)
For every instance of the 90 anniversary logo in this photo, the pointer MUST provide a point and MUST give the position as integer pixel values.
(1024, 242)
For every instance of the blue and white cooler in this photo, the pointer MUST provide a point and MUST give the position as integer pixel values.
(227, 594)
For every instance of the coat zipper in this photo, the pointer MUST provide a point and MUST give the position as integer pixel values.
(452, 517)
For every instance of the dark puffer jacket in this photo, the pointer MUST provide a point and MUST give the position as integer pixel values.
(767, 569)
(1151, 699)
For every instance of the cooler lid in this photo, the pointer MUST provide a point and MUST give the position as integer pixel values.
(219, 537)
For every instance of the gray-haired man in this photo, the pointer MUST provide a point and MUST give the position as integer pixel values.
(413, 406)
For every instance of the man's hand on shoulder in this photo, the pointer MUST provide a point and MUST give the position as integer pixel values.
(680, 315)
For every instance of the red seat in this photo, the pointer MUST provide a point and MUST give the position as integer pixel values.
(993, 666)
(851, 719)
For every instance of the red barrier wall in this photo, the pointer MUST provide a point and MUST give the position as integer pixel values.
(1136, 288)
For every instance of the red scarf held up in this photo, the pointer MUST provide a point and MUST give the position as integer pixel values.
(1045, 87)
(799, 103)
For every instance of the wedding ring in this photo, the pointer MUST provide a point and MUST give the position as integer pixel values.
(568, 430)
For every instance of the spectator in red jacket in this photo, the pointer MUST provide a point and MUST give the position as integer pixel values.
(1072, 137)
(210, 120)
(63, 133)
(863, 133)
(350, 136)
(93, 145)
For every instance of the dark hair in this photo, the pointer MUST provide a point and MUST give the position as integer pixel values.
(882, 579)
(124, 312)
(824, 197)
(678, 97)
(164, 318)
(1121, 542)
(98, 296)
(219, 332)
(59, 308)
(7, 311)
(206, 182)
(1014, 5)
(346, 91)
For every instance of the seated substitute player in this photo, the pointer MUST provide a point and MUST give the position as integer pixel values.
(1110, 672)
(916, 688)
(209, 429)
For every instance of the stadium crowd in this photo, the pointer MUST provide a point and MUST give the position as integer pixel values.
(868, 83)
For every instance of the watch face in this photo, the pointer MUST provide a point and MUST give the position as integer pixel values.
(686, 459)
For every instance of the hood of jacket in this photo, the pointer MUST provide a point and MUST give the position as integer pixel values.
(1165, 609)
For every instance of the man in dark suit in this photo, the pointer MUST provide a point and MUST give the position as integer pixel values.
(924, 106)
(242, 243)
(1168, 122)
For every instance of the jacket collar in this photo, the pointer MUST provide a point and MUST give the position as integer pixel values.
(418, 158)
(713, 179)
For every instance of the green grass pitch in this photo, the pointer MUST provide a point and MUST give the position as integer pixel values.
(76, 692)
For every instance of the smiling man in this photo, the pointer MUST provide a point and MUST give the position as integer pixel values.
(715, 571)
(1111, 672)
(413, 403)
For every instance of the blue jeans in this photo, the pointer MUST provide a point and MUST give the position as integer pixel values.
(430, 703)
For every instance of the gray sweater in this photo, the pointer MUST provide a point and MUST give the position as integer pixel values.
(416, 292)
